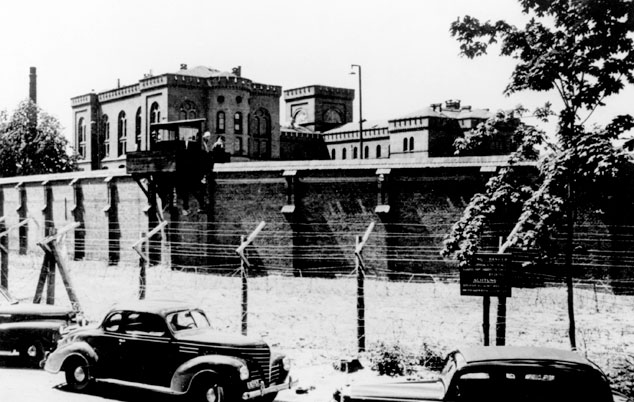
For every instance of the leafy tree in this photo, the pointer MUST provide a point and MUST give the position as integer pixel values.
(583, 50)
(31, 143)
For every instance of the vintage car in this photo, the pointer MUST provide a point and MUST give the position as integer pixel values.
(170, 347)
(31, 329)
(499, 373)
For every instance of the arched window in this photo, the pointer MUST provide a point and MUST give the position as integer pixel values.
(260, 127)
(404, 144)
(220, 122)
(378, 151)
(333, 154)
(81, 137)
(155, 113)
(343, 153)
(122, 133)
(137, 129)
(238, 146)
(411, 144)
(187, 111)
(105, 137)
(355, 153)
(366, 152)
(237, 123)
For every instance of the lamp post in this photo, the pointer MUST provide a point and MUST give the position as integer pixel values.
(360, 111)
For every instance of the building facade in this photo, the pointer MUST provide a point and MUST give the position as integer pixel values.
(247, 115)
(113, 122)
(420, 135)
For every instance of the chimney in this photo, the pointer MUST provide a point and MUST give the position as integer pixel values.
(237, 71)
(33, 85)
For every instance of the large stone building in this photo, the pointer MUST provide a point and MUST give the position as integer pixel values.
(111, 123)
(420, 135)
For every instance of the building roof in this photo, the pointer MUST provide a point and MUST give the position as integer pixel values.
(464, 113)
(505, 353)
(354, 127)
(204, 72)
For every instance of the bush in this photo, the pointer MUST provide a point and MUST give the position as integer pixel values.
(390, 359)
(431, 357)
(621, 375)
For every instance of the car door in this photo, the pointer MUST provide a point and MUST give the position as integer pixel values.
(106, 342)
(148, 348)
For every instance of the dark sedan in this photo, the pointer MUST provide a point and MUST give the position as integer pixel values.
(170, 347)
(31, 329)
(499, 374)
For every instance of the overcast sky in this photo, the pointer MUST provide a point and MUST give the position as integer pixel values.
(408, 58)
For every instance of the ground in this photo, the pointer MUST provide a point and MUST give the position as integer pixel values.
(314, 320)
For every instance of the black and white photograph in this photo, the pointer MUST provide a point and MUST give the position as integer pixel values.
(317, 201)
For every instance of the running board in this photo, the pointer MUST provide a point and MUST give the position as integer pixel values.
(155, 388)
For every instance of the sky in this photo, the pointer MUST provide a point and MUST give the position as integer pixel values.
(409, 60)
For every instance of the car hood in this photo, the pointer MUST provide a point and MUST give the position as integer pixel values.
(38, 310)
(402, 391)
(210, 337)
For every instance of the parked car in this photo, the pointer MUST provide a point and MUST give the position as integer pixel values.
(170, 347)
(499, 373)
(31, 329)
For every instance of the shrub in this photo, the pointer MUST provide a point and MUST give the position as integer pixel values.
(431, 357)
(621, 375)
(390, 359)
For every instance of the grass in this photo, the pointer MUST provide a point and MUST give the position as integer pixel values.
(315, 319)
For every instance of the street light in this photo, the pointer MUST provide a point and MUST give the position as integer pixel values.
(360, 111)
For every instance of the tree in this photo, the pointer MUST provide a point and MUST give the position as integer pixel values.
(31, 143)
(583, 51)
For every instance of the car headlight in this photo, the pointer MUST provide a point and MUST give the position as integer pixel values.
(244, 372)
(286, 363)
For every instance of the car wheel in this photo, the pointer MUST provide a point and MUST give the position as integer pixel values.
(77, 374)
(208, 390)
(32, 353)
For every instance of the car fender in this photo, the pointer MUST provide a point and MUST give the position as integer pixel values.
(226, 366)
(55, 361)
(15, 333)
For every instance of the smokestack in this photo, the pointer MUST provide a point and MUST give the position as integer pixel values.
(33, 85)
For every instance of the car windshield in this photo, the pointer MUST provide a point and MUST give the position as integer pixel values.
(5, 298)
(187, 320)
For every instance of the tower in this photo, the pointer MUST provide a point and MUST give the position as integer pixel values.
(319, 108)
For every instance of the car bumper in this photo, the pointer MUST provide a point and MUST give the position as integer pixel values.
(267, 390)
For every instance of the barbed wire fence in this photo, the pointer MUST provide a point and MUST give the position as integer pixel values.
(299, 305)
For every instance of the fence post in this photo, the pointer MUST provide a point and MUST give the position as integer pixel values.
(245, 292)
(360, 268)
(142, 268)
(500, 327)
(244, 266)
(4, 256)
(360, 299)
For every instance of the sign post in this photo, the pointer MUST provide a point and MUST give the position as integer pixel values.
(487, 276)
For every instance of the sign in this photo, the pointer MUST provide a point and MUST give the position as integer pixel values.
(486, 276)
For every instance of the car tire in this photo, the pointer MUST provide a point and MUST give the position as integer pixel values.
(32, 353)
(77, 374)
(208, 389)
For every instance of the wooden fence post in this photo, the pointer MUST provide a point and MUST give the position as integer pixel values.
(244, 266)
(360, 300)
(245, 293)
(142, 269)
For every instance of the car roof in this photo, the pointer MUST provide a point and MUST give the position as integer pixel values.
(476, 354)
(161, 307)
